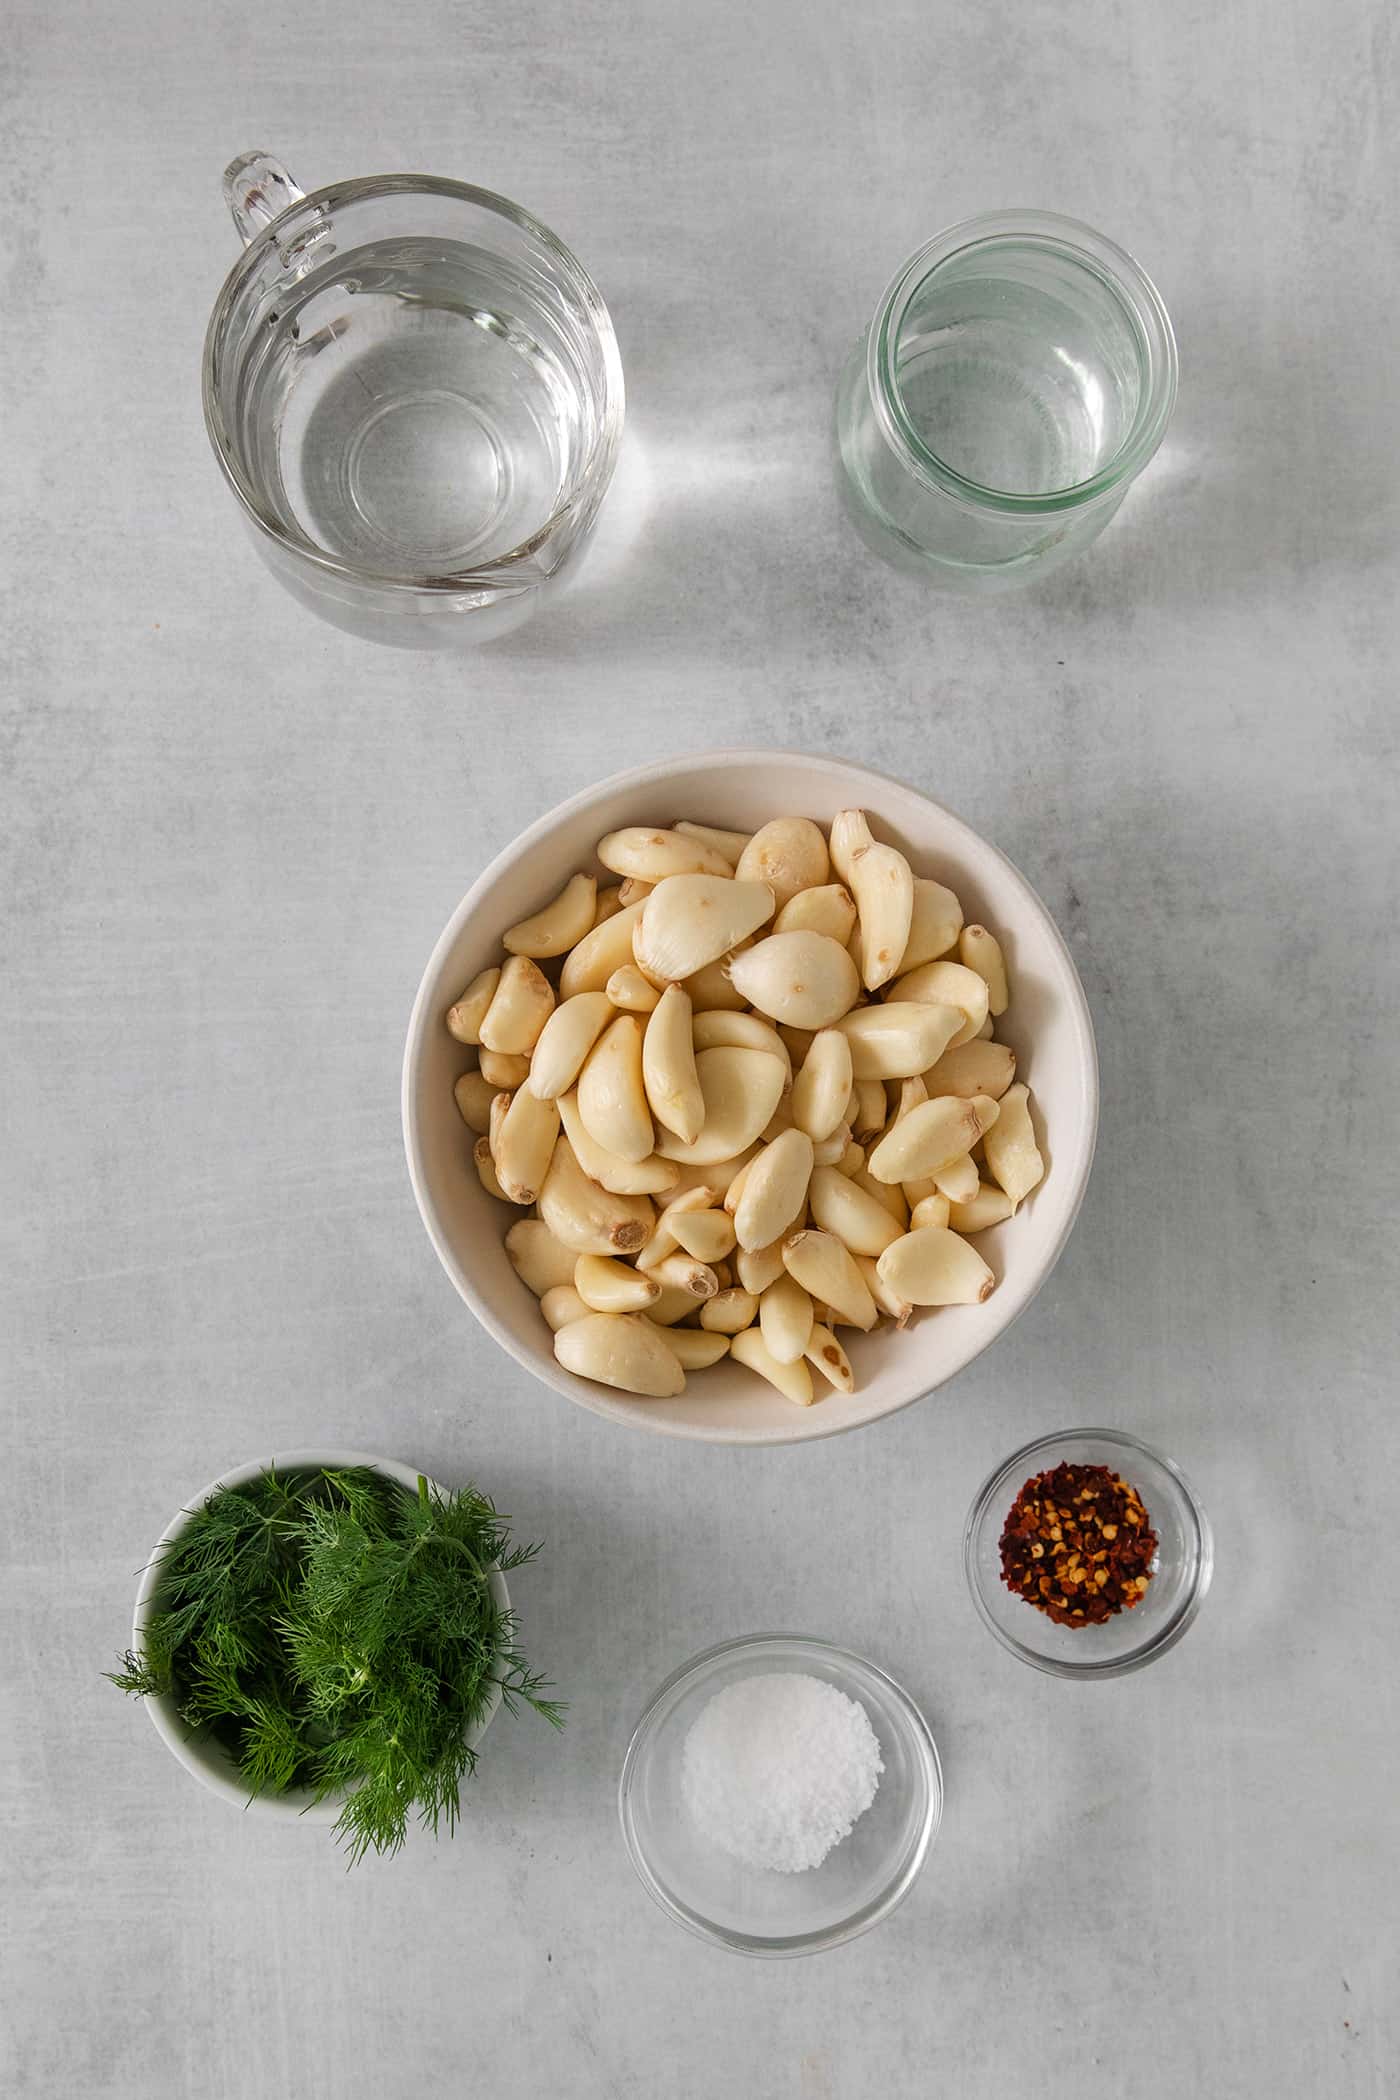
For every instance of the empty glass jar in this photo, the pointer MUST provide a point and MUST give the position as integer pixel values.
(1018, 375)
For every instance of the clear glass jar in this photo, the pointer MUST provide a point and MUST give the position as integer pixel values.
(1018, 375)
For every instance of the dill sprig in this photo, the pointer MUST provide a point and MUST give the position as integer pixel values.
(337, 1634)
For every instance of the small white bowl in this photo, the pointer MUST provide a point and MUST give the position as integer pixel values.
(1048, 1026)
(202, 1756)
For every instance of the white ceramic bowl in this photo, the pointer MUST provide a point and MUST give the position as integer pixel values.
(202, 1757)
(1047, 1025)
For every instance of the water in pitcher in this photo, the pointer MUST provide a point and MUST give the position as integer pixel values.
(1019, 374)
(413, 408)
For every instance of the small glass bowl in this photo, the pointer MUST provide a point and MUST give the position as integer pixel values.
(753, 1909)
(1181, 1573)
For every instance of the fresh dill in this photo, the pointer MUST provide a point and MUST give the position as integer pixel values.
(337, 1634)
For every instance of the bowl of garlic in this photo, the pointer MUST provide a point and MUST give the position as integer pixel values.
(749, 1096)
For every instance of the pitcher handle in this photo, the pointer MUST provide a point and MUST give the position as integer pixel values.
(257, 190)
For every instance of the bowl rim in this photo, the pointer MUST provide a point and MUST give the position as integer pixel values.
(616, 1408)
(1154, 1644)
(911, 1863)
(298, 1805)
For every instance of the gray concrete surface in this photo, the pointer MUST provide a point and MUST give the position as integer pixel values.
(230, 837)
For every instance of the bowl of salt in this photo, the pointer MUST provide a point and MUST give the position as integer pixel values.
(780, 1795)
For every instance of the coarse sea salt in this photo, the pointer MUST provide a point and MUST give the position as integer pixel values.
(778, 1769)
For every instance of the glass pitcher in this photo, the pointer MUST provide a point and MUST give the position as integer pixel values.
(414, 391)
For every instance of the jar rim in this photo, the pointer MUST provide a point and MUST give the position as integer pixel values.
(1145, 308)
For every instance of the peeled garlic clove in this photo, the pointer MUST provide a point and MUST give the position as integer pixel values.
(850, 834)
(830, 1151)
(931, 1137)
(882, 883)
(565, 1041)
(710, 991)
(829, 909)
(826, 1354)
(499, 1107)
(680, 1272)
(540, 1260)
(889, 1301)
(588, 967)
(560, 925)
(931, 1210)
(669, 1072)
(717, 1177)
(852, 1160)
(780, 1120)
(653, 855)
(729, 1312)
(785, 1319)
(523, 1002)
(775, 1186)
(990, 1206)
(524, 1144)
(973, 1068)
(898, 1039)
(690, 921)
(935, 924)
(608, 1285)
(1012, 1152)
(634, 891)
(663, 1239)
(801, 979)
(728, 844)
(734, 1194)
(608, 905)
(590, 1219)
(623, 1350)
(465, 1016)
(959, 1182)
(694, 1349)
(789, 853)
(981, 951)
(822, 1088)
(474, 1096)
(653, 1176)
(793, 1381)
(671, 1307)
(841, 1207)
(934, 1267)
(758, 1267)
(740, 1090)
(708, 1235)
(611, 1096)
(948, 984)
(486, 1172)
(560, 1305)
(503, 1070)
(826, 1270)
(718, 1030)
(872, 1111)
(912, 1094)
(890, 1196)
(629, 991)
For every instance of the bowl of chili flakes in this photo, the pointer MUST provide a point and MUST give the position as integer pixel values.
(1087, 1553)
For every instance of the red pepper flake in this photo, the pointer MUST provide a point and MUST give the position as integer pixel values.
(1077, 1545)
